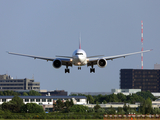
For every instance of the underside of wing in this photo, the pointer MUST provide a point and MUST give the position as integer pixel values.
(93, 61)
(65, 61)
(64, 56)
(95, 56)
(32, 56)
(124, 55)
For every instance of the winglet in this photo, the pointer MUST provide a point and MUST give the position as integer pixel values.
(7, 52)
(80, 41)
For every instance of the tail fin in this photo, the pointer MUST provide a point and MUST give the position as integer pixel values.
(80, 41)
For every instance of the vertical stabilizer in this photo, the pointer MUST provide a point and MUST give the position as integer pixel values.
(80, 41)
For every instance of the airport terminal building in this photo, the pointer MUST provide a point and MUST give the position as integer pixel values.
(8, 83)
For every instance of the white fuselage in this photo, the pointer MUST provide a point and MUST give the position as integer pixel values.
(79, 57)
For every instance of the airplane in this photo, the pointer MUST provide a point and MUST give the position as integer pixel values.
(79, 58)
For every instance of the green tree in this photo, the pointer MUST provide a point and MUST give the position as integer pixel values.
(121, 97)
(18, 102)
(126, 108)
(97, 107)
(142, 107)
(90, 99)
(146, 94)
(111, 111)
(136, 98)
(120, 111)
(113, 98)
(9, 93)
(25, 94)
(14, 105)
(67, 105)
(58, 106)
(156, 111)
(104, 102)
(79, 108)
(148, 106)
(32, 108)
(73, 95)
(34, 93)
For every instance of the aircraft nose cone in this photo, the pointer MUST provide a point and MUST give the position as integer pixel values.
(80, 58)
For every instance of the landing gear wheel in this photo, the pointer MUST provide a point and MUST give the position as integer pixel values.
(92, 70)
(79, 68)
(67, 70)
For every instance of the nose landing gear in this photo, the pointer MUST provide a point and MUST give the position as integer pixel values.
(79, 68)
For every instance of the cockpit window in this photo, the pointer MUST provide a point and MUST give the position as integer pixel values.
(79, 53)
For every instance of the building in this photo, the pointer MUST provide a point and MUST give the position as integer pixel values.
(144, 79)
(47, 101)
(8, 83)
(113, 91)
(53, 93)
(125, 91)
(116, 105)
(156, 66)
(91, 93)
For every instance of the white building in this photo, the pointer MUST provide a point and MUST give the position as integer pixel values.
(125, 91)
(46, 100)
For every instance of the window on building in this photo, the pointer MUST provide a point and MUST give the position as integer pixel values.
(37, 100)
(78, 100)
(3, 100)
(43, 100)
(49, 100)
(26, 100)
(32, 100)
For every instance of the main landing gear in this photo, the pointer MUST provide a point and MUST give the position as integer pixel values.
(67, 70)
(79, 68)
(92, 69)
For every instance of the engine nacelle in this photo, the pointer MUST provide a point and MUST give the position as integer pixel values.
(57, 63)
(102, 63)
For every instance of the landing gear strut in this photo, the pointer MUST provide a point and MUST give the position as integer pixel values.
(92, 69)
(67, 70)
(79, 68)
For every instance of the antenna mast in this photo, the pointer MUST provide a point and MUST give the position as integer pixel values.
(142, 44)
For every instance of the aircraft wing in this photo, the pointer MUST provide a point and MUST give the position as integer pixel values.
(64, 60)
(94, 60)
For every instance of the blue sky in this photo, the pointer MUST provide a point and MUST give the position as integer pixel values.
(52, 27)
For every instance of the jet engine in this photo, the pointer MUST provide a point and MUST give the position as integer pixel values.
(102, 63)
(57, 63)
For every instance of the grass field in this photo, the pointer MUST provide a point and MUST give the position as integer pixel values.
(87, 119)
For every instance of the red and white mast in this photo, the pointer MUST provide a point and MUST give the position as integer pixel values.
(142, 44)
